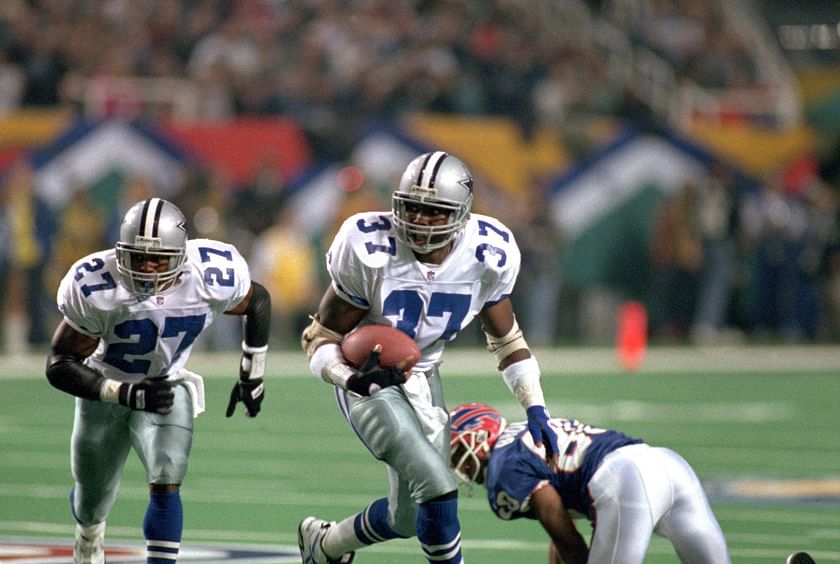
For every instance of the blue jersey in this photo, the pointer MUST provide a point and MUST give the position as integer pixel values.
(517, 467)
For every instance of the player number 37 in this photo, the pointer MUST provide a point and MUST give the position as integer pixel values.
(407, 305)
(482, 250)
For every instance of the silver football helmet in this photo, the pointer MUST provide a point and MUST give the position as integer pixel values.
(153, 230)
(436, 180)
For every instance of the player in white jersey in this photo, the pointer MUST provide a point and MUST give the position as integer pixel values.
(628, 489)
(427, 267)
(131, 317)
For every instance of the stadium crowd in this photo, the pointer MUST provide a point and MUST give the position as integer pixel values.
(765, 265)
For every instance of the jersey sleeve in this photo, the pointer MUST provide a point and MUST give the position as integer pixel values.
(497, 250)
(510, 489)
(363, 245)
(76, 307)
(224, 271)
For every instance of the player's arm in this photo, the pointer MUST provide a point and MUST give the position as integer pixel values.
(321, 341)
(521, 373)
(67, 372)
(567, 545)
(255, 308)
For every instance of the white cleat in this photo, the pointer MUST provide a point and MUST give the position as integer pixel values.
(89, 547)
(310, 534)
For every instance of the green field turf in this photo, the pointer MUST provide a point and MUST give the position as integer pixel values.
(761, 428)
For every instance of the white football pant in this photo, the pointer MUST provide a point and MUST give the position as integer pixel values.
(639, 490)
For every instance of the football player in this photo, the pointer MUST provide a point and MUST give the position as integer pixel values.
(627, 488)
(428, 267)
(131, 316)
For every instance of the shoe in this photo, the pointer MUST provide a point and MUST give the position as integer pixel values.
(799, 558)
(89, 547)
(310, 534)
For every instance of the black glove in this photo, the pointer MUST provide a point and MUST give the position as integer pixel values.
(249, 392)
(249, 389)
(370, 378)
(155, 396)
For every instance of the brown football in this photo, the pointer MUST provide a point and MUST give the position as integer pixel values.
(396, 346)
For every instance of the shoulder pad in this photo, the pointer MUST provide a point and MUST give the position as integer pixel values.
(366, 239)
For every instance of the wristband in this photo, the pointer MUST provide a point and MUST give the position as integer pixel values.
(523, 379)
(329, 364)
(110, 391)
(254, 365)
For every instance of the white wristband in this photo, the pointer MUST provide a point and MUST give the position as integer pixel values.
(329, 364)
(110, 391)
(255, 365)
(523, 379)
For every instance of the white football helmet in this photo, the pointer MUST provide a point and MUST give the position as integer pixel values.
(436, 180)
(155, 228)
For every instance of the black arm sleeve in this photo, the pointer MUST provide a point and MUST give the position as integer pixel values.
(257, 322)
(67, 373)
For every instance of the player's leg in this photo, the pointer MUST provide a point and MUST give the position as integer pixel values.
(98, 450)
(163, 443)
(421, 487)
(438, 528)
(629, 495)
(690, 525)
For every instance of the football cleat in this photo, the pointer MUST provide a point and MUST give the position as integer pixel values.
(310, 534)
(799, 558)
(90, 545)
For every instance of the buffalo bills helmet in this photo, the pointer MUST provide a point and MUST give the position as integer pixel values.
(475, 427)
(436, 180)
(155, 231)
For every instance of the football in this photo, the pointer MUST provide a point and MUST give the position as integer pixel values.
(396, 346)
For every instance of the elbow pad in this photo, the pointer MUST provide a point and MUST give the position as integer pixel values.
(503, 346)
(315, 335)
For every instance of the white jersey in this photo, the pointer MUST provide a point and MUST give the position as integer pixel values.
(151, 337)
(431, 303)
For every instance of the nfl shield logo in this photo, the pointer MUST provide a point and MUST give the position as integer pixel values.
(430, 275)
(159, 300)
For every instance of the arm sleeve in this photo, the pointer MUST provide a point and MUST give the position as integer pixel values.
(257, 318)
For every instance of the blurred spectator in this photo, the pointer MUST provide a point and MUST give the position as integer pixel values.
(820, 258)
(776, 224)
(7, 255)
(32, 229)
(284, 259)
(11, 84)
(718, 223)
(677, 256)
(256, 205)
(539, 284)
(81, 230)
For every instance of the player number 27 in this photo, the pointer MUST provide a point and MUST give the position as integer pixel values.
(141, 338)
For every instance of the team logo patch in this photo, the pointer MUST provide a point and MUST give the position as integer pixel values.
(35, 552)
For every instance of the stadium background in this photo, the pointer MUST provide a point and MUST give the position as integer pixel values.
(584, 123)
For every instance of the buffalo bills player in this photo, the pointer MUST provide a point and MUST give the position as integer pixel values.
(131, 317)
(427, 267)
(627, 488)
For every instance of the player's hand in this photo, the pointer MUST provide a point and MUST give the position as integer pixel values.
(249, 389)
(155, 396)
(544, 435)
(370, 378)
(250, 393)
